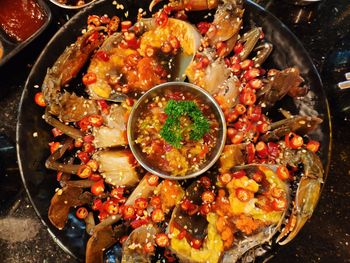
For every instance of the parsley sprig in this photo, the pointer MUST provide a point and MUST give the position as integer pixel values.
(172, 131)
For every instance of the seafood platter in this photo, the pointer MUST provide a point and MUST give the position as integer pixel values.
(180, 131)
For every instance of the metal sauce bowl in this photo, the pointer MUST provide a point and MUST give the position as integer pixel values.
(71, 6)
(160, 90)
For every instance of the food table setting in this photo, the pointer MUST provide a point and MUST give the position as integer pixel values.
(321, 27)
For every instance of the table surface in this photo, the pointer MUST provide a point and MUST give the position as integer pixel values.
(324, 29)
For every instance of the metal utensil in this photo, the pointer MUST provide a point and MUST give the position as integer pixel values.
(345, 84)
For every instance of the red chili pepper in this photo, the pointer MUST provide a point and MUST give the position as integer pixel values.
(141, 203)
(196, 243)
(186, 204)
(238, 48)
(94, 19)
(235, 60)
(162, 19)
(279, 204)
(111, 207)
(118, 192)
(296, 142)
(208, 197)
(193, 209)
(103, 215)
(247, 64)
(88, 148)
(203, 27)
(98, 187)
(204, 209)
(236, 69)
(125, 25)
(156, 201)
(39, 99)
(293, 140)
(139, 222)
(283, 173)
(250, 152)
(128, 212)
(239, 174)
(263, 127)
(95, 120)
(95, 177)
(83, 156)
(254, 113)
(84, 171)
(243, 195)
(170, 258)
(221, 49)
(203, 152)
(273, 149)
(313, 146)
(131, 40)
(174, 42)
(231, 132)
(255, 83)
(238, 138)
(225, 178)
(258, 176)
(93, 164)
(252, 74)
(54, 146)
(157, 215)
(113, 24)
(277, 192)
(240, 109)
(103, 106)
(59, 176)
(247, 97)
(88, 138)
(205, 181)
(162, 240)
(104, 19)
(89, 78)
(97, 204)
(123, 239)
(152, 179)
(181, 235)
(81, 213)
(102, 55)
(56, 132)
(148, 248)
(78, 143)
(261, 150)
(84, 123)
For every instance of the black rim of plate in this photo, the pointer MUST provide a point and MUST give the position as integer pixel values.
(24, 133)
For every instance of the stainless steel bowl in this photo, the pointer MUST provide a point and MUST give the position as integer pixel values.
(71, 6)
(159, 91)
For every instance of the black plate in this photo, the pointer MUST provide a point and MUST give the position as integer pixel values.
(32, 151)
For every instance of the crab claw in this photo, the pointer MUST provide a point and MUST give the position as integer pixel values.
(308, 192)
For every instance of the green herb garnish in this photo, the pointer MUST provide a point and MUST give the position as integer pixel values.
(172, 131)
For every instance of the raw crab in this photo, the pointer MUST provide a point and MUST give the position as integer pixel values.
(133, 61)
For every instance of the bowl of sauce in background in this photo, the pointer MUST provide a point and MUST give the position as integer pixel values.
(20, 22)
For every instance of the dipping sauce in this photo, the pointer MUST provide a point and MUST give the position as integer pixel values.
(190, 152)
(20, 19)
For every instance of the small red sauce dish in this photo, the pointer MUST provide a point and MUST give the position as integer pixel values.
(20, 22)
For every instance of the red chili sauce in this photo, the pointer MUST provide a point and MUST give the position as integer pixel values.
(20, 19)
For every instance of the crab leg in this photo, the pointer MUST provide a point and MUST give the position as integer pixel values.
(308, 191)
